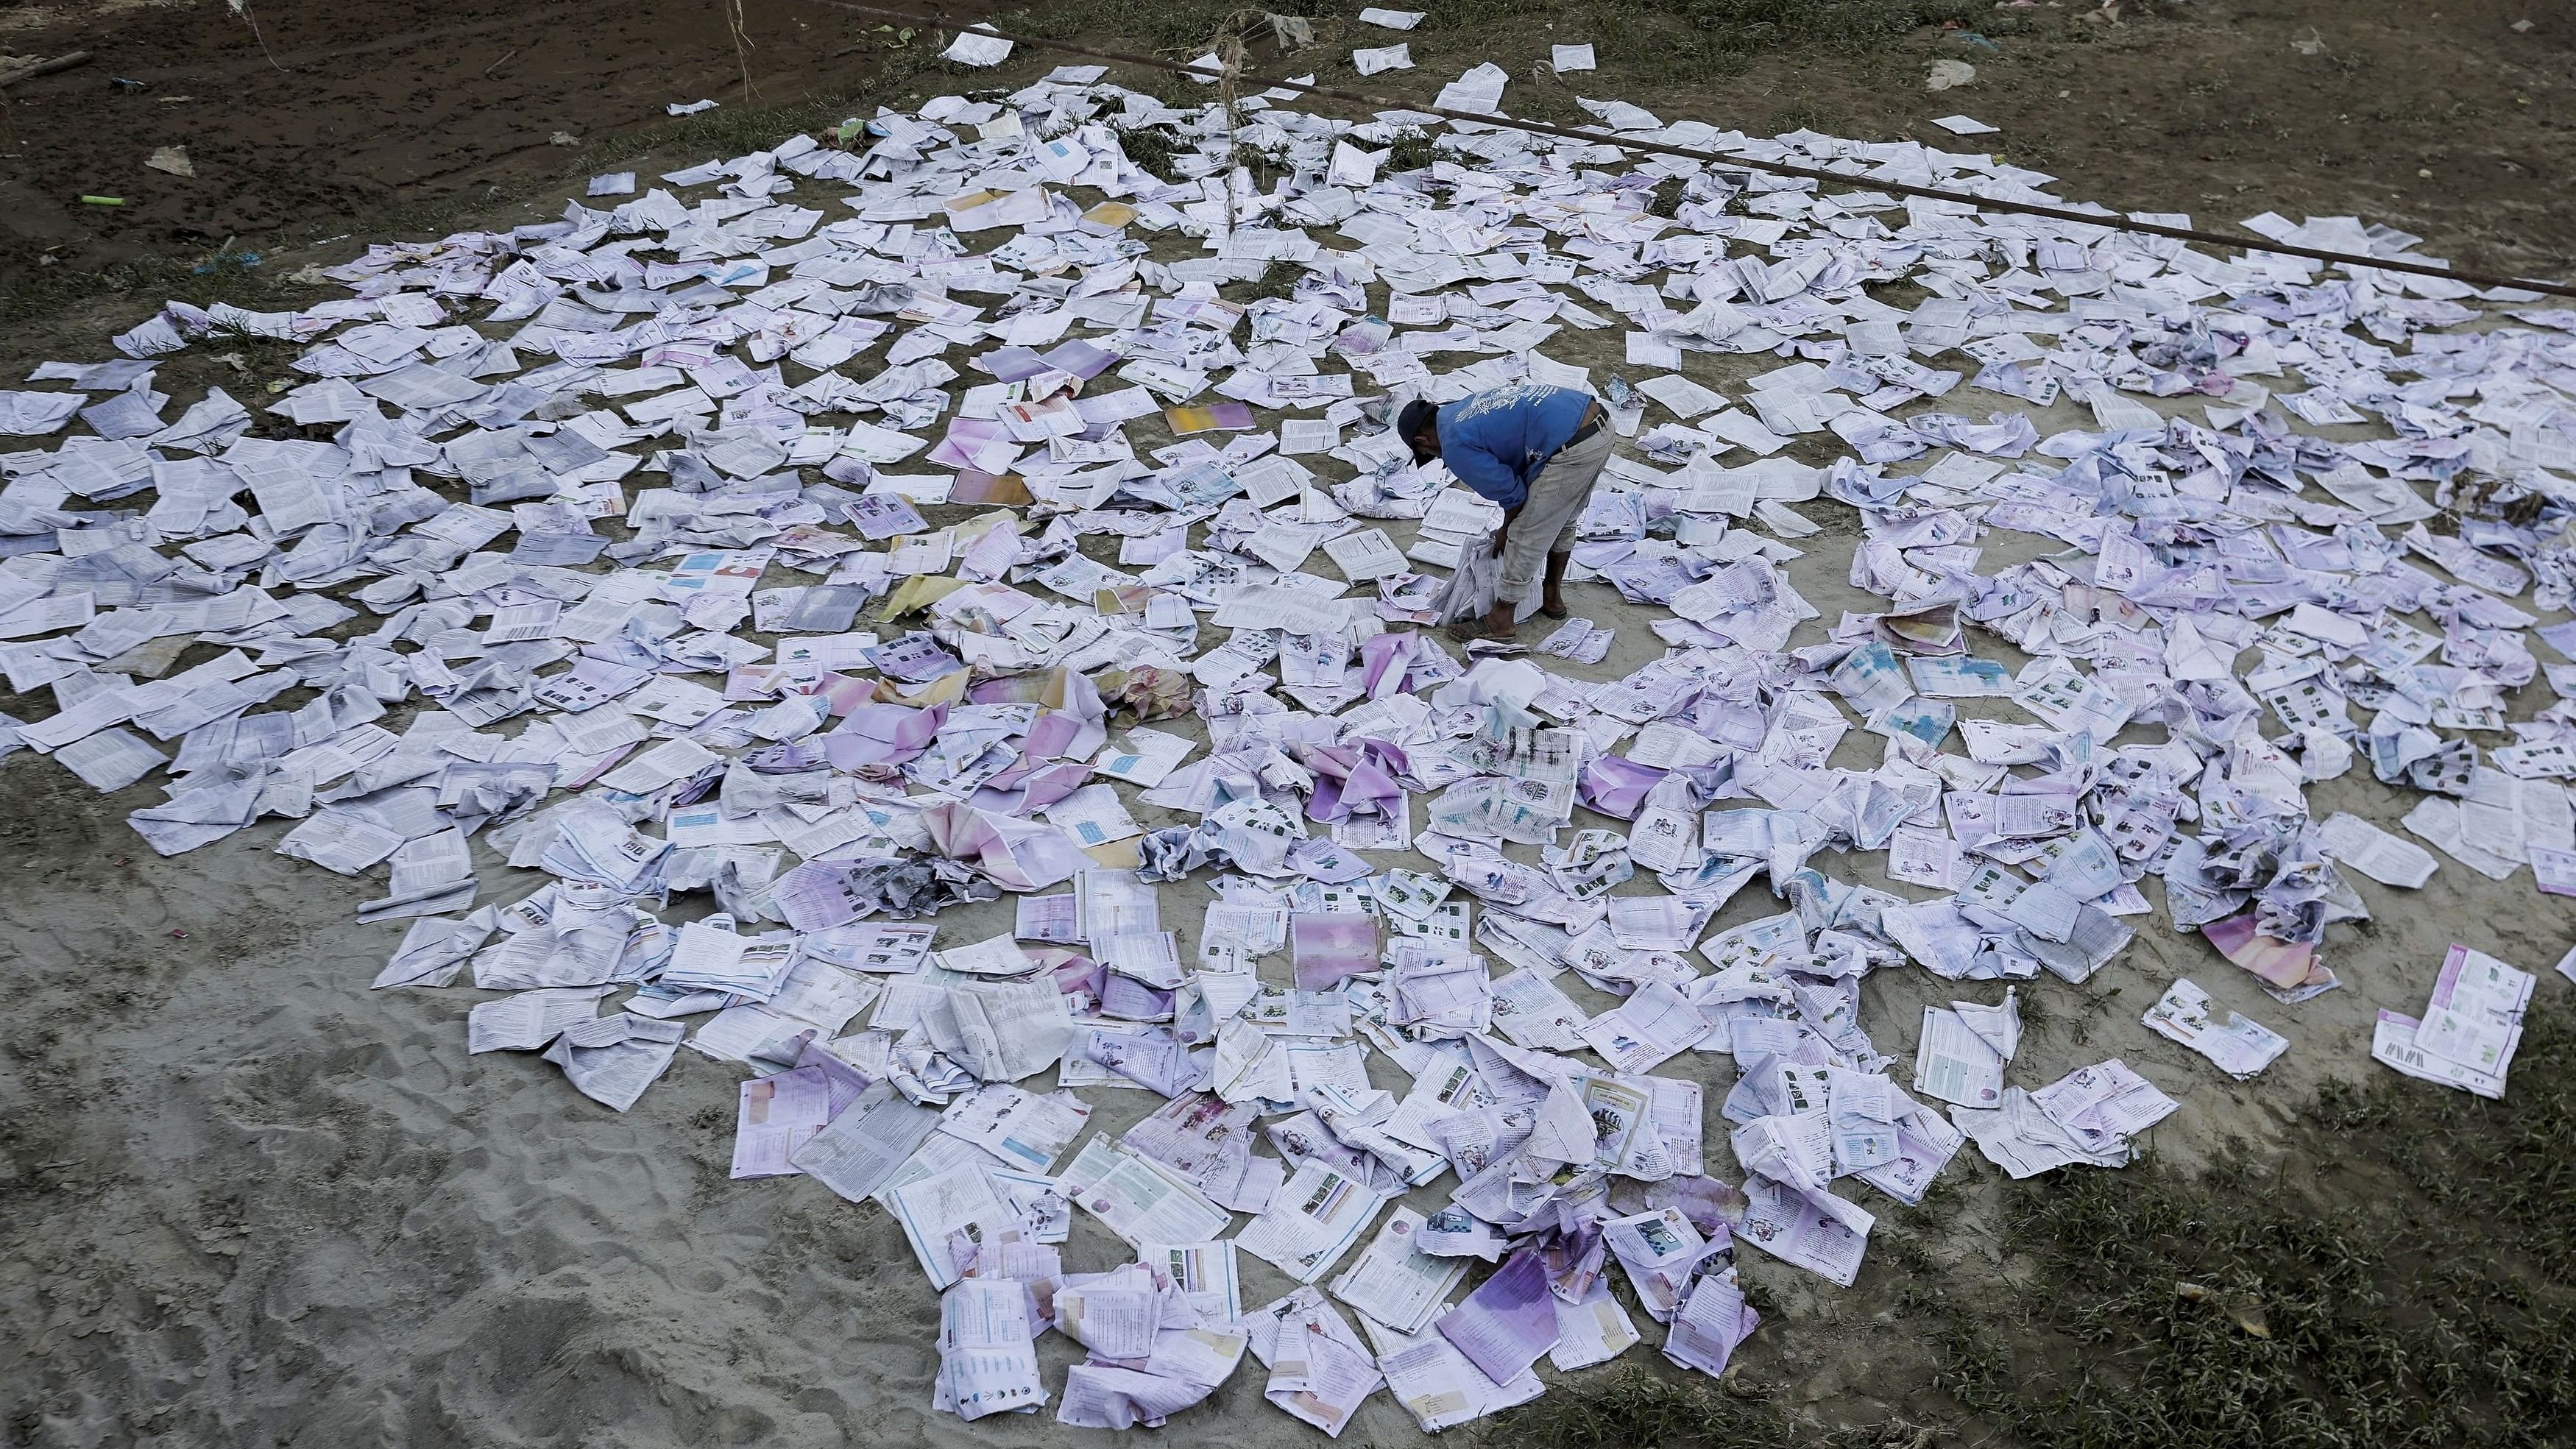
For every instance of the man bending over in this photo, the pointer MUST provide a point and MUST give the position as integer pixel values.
(1534, 449)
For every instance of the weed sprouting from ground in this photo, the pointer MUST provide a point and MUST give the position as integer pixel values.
(1150, 149)
(256, 349)
(1278, 281)
(1262, 164)
(1411, 150)
(1799, 116)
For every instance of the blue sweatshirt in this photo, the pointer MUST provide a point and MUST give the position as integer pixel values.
(1497, 441)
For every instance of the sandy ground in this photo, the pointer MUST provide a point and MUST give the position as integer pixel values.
(244, 1201)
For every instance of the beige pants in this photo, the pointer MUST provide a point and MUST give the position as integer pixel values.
(1545, 523)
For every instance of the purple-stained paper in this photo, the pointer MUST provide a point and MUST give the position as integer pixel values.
(1012, 364)
(1352, 779)
(1029, 786)
(792, 757)
(1384, 661)
(1616, 785)
(817, 896)
(1080, 358)
(841, 1081)
(2561, 637)
(992, 555)
(1154, 1058)
(982, 444)
(1330, 947)
(882, 734)
(1128, 999)
(1508, 1321)
(1573, 1257)
(1233, 417)
(1051, 734)
(1710, 1324)
(845, 693)
(1017, 855)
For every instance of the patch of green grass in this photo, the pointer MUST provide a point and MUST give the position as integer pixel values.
(1412, 149)
(1640, 1408)
(1799, 116)
(1150, 149)
(2503, 1161)
(2404, 1275)
(1262, 164)
(1693, 42)
(256, 349)
(1175, 90)
(1540, 96)
(1278, 281)
(2420, 1290)
(30, 290)
(1633, 1408)
(2036, 147)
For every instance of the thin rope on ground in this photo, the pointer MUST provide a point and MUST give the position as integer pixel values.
(242, 9)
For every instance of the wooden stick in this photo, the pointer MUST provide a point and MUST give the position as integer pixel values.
(44, 67)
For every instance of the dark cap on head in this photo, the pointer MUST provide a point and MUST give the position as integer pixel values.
(1413, 422)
